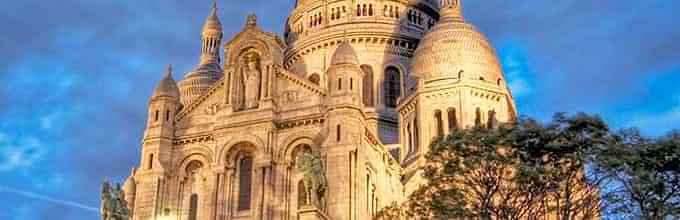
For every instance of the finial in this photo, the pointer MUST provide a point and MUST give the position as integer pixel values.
(214, 4)
(168, 73)
(252, 20)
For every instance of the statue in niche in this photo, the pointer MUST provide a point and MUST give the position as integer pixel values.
(114, 206)
(313, 179)
(250, 81)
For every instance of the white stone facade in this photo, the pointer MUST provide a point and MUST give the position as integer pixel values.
(222, 143)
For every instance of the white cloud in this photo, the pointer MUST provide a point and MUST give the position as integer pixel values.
(23, 153)
(519, 86)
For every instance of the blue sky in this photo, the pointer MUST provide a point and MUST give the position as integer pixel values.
(78, 73)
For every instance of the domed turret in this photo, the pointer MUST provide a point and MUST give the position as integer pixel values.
(167, 86)
(208, 71)
(345, 76)
(344, 54)
(455, 49)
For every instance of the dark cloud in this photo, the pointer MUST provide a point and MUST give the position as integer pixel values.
(78, 73)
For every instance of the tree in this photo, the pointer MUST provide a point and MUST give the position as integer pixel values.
(518, 170)
(645, 175)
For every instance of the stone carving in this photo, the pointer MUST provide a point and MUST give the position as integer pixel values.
(250, 81)
(314, 178)
(113, 206)
(213, 109)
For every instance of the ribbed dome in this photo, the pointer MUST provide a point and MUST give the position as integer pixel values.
(212, 23)
(167, 86)
(454, 46)
(198, 81)
(344, 54)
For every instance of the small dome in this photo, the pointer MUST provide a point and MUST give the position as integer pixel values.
(453, 46)
(212, 23)
(167, 86)
(344, 54)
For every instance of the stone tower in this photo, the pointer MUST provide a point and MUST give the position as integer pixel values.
(156, 149)
(460, 84)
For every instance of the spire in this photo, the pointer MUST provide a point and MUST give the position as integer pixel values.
(451, 11)
(212, 23)
(168, 72)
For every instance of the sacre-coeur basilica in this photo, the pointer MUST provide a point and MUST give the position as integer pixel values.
(330, 121)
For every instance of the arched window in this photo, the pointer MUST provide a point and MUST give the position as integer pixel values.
(478, 117)
(439, 123)
(392, 86)
(453, 120)
(245, 183)
(491, 120)
(337, 134)
(368, 85)
(193, 207)
(314, 78)
(339, 83)
(167, 115)
(156, 116)
(150, 161)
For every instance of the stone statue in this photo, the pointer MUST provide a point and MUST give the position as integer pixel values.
(314, 178)
(114, 206)
(251, 81)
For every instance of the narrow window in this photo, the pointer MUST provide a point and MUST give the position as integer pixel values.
(150, 165)
(245, 183)
(416, 134)
(351, 83)
(156, 116)
(337, 133)
(392, 86)
(453, 120)
(478, 117)
(370, 10)
(409, 139)
(339, 83)
(193, 207)
(368, 85)
(491, 120)
(167, 115)
(439, 122)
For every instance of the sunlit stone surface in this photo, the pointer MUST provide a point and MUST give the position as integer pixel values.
(362, 86)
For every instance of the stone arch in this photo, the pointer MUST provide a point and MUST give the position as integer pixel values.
(205, 161)
(403, 78)
(245, 142)
(293, 140)
(252, 45)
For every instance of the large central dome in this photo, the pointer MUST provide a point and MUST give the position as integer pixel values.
(454, 48)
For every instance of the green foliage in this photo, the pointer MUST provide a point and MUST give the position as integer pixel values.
(517, 170)
(644, 174)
